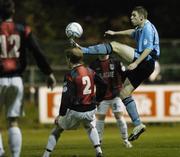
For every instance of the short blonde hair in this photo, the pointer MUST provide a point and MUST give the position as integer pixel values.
(75, 55)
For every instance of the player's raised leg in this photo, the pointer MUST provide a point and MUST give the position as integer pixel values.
(104, 48)
(123, 51)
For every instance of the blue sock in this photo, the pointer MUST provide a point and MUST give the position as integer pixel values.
(98, 49)
(131, 109)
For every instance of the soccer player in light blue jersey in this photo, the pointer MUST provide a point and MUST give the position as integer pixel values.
(142, 60)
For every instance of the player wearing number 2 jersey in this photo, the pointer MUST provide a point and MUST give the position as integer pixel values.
(15, 38)
(78, 102)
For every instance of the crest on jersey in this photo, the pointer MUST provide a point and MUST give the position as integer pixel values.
(145, 42)
(111, 66)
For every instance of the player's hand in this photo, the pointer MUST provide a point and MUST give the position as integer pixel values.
(56, 120)
(109, 32)
(73, 43)
(51, 81)
(132, 66)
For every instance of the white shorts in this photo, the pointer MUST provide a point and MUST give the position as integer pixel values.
(11, 95)
(116, 105)
(72, 119)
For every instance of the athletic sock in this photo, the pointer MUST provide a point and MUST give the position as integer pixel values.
(1, 146)
(15, 141)
(121, 123)
(98, 49)
(93, 136)
(50, 145)
(132, 110)
(100, 128)
(52, 141)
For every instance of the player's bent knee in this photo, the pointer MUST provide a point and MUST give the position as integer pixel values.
(118, 115)
(125, 92)
(57, 131)
(12, 122)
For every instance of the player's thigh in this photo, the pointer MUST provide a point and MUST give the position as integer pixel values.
(124, 51)
(14, 96)
(89, 120)
(117, 105)
(69, 122)
(103, 107)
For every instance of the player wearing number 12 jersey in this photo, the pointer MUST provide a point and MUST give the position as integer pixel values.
(15, 39)
(78, 103)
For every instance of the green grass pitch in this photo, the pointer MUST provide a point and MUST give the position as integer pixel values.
(158, 141)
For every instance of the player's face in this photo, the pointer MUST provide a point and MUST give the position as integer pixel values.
(136, 19)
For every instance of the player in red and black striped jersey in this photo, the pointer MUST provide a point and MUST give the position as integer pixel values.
(78, 102)
(15, 40)
(111, 70)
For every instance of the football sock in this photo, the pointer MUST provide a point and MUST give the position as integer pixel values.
(1, 145)
(93, 136)
(131, 109)
(121, 123)
(52, 140)
(100, 128)
(50, 145)
(98, 49)
(15, 141)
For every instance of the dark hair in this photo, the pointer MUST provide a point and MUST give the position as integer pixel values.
(7, 8)
(75, 55)
(141, 10)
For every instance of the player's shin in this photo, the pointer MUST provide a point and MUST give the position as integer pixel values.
(100, 128)
(93, 136)
(121, 123)
(132, 110)
(15, 141)
(52, 141)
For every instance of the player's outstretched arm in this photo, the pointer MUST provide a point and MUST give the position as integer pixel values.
(125, 32)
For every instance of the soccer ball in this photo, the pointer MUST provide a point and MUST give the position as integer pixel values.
(74, 30)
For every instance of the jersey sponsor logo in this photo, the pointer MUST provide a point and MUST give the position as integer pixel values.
(107, 74)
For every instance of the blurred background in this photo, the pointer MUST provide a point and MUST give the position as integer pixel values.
(48, 19)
